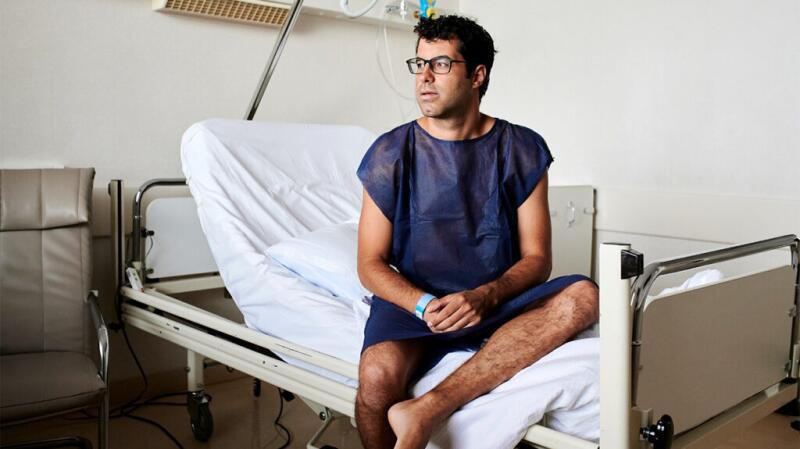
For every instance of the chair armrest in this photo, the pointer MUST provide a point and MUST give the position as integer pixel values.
(102, 332)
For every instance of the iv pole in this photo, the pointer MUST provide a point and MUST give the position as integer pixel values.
(291, 18)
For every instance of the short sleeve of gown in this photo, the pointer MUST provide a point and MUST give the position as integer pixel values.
(379, 173)
(527, 161)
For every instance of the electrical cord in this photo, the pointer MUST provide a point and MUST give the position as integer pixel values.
(126, 410)
(152, 244)
(159, 426)
(278, 426)
(145, 383)
(345, 6)
(382, 28)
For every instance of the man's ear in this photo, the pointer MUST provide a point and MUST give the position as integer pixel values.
(478, 76)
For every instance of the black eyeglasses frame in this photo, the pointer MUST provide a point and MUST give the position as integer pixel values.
(414, 67)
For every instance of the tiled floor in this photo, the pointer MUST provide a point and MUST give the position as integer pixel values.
(242, 421)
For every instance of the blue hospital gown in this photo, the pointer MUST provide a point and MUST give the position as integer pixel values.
(453, 207)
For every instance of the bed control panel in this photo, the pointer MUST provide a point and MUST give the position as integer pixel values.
(133, 278)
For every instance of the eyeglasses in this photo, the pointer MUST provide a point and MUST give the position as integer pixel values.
(439, 64)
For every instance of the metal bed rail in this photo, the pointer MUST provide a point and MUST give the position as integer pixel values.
(137, 255)
(159, 301)
(644, 282)
(622, 423)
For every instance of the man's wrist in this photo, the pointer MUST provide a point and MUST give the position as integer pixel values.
(489, 293)
(422, 304)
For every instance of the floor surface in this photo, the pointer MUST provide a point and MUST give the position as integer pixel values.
(244, 421)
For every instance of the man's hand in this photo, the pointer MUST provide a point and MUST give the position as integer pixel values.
(458, 310)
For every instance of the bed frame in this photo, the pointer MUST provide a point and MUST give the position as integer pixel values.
(655, 405)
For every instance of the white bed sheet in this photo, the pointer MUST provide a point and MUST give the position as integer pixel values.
(256, 183)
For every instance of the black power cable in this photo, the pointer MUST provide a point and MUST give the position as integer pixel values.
(159, 426)
(278, 425)
(126, 410)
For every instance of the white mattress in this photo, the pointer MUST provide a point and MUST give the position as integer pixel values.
(257, 183)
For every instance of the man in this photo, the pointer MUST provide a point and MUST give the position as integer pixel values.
(454, 240)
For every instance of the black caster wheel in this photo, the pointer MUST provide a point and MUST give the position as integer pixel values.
(660, 434)
(256, 387)
(792, 408)
(200, 416)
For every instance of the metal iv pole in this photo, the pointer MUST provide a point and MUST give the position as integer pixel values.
(291, 18)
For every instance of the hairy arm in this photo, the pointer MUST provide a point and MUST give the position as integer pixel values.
(374, 246)
(467, 308)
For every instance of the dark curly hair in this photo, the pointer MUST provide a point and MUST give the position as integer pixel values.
(474, 42)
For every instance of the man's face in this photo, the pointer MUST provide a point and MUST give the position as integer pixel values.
(442, 95)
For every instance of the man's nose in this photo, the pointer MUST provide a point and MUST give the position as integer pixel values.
(427, 73)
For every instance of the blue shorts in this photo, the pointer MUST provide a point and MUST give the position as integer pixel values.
(388, 322)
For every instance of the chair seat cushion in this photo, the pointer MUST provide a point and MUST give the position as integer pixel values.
(33, 384)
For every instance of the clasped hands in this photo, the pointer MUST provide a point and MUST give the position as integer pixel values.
(458, 310)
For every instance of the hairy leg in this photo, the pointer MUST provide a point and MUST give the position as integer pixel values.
(514, 346)
(384, 373)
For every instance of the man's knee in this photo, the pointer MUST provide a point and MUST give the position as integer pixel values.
(381, 382)
(581, 301)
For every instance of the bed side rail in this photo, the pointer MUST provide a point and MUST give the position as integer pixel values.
(621, 306)
(193, 314)
(705, 350)
(137, 255)
(644, 282)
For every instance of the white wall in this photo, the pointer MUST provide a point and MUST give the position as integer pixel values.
(683, 114)
(113, 84)
(686, 96)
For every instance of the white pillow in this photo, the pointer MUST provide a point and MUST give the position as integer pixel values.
(701, 278)
(325, 257)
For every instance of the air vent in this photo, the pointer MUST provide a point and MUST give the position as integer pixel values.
(248, 11)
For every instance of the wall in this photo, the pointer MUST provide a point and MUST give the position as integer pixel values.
(113, 84)
(684, 96)
(664, 107)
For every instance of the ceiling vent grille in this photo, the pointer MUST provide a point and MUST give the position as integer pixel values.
(248, 11)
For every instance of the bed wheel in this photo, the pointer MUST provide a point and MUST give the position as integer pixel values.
(200, 416)
(203, 426)
(660, 434)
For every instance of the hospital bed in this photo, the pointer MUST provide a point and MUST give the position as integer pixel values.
(708, 359)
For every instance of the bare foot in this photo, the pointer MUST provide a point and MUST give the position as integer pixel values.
(413, 422)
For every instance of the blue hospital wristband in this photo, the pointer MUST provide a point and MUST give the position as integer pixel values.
(422, 304)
